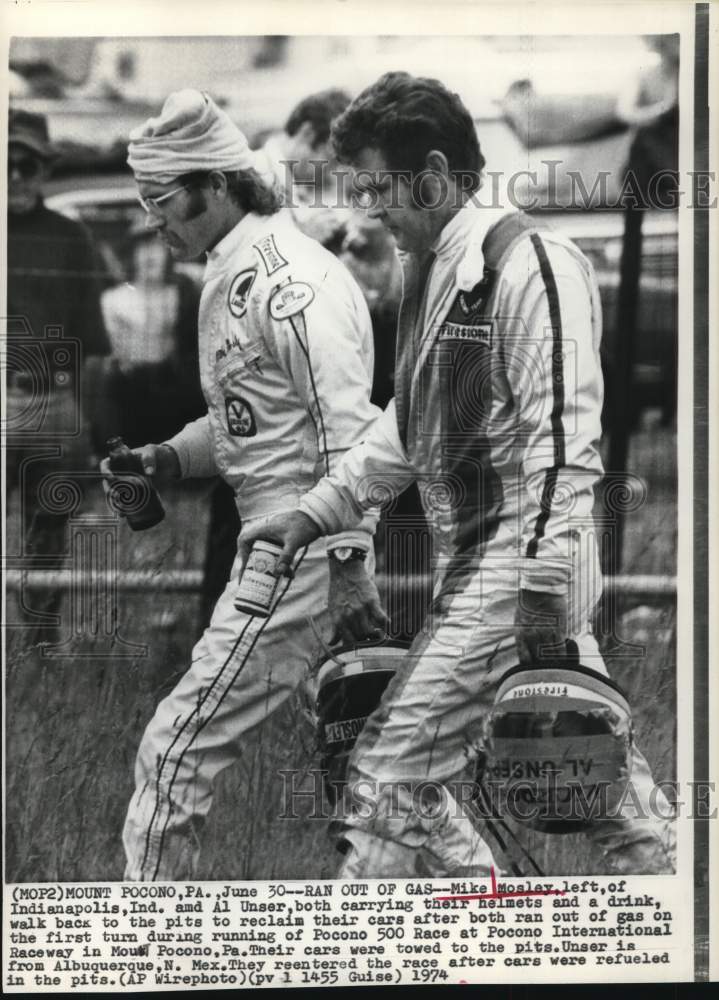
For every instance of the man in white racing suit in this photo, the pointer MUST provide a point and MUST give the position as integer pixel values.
(286, 359)
(496, 415)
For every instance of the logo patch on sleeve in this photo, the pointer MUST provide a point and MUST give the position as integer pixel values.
(271, 256)
(240, 418)
(290, 299)
(240, 291)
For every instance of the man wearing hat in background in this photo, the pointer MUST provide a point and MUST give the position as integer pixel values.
(53, 283)
(286, 360)
(53, 270)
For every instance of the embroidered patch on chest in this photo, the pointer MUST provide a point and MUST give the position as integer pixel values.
(271, 256)
(240, 418)
(468, 308)
(239, 291)
(481, 333)
(467, 320)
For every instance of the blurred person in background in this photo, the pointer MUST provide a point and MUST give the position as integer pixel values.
(301, 158)
(285, 349)
(53, 281)
(151, 320)
(499, 423)
(654, 93)
(369, 252)
(650, 106)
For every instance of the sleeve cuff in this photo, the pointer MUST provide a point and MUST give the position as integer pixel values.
(319, 511)
(183, 454)
(193, 447)
(325, 506)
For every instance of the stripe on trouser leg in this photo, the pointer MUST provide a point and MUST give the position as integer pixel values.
(158, 839)
(160, 765)
(484, 811)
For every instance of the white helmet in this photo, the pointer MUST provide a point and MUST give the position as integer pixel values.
(558, 746)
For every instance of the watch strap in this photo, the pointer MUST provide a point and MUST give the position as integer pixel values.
(355, 554)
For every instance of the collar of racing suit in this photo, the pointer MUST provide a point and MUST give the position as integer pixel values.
(242, 235)
(466, 231)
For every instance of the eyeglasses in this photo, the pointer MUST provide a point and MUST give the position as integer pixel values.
(27, 166)
(151, 204)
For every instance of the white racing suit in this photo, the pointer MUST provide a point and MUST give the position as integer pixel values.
(497, 417)
(286, 358)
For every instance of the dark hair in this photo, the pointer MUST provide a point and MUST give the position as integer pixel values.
(252, 193)
(128, 255)
(247, 189)
(404, 117)
(320, 110)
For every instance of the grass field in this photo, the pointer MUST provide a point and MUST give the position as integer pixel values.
(73, 725)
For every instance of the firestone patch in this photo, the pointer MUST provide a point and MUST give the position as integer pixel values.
(271, 256)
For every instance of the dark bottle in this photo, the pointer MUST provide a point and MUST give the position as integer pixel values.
(139, 502)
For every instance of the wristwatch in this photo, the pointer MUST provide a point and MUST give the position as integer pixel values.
(345, 553)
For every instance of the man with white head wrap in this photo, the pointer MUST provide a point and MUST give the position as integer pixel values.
(191, 133)
(286, 363)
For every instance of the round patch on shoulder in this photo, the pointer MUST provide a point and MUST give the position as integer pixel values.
(290, 299)
(240, 291)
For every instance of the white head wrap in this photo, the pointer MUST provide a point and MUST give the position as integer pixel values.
(190, 133)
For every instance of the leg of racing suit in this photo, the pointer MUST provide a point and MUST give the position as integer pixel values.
(243, 668)
(428, 721)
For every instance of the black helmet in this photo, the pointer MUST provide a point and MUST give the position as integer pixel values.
(350, 685)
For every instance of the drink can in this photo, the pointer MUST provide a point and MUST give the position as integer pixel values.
(259, 581)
